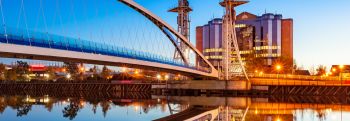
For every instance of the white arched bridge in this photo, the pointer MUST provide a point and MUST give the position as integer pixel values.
(45, 46)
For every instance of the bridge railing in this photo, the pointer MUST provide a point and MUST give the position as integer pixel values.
(299, 77)
(46, 40)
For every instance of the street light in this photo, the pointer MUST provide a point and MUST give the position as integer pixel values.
(278, 67)
(123, 69)
(159, 77)
(166, 77)
(82, 69)
(68, 76)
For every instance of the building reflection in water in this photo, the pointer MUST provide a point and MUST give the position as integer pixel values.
(184, 107)
(270, 108)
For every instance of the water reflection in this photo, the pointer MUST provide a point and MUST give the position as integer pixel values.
(76, 105)
(86, 106)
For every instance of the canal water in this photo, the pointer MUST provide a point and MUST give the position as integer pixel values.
(88, 106)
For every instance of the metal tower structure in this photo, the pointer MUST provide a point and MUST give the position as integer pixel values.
(183, 20)
(232, 63)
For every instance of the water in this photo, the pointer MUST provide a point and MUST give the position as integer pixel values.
(93, 106)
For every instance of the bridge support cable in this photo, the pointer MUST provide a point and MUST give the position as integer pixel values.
(41, 8)
(22, 9)
(3, 22)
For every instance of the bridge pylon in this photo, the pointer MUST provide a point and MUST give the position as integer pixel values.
(183, 20)
(232, 64)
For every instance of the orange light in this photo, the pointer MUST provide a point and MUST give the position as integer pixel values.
(63, 70)
(124, 69)
(158, 76)
(166, 77)
(256, 71)
(278, 67)
(334, 70)
(82, 69)
(341, 66)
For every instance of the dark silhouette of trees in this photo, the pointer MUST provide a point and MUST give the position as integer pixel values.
(23, 109)
(72, 69)
(11, 75)
(105, 107)
(106, 73)
(51, 73)
(95, 76)
(2, 72)
(71, 111)
(321, 69)
(22, 70)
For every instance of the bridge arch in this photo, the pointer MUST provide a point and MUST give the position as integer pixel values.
(168, 30)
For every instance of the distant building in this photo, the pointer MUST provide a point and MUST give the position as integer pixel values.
(268, 36)
(302, 72)
(336, 70)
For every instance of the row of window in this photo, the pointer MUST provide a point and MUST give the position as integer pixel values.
(240, 25)
(267, 48)
(212, 50)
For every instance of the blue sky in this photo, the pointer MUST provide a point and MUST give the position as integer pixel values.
(321, 27)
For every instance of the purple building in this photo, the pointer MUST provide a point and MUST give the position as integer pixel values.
(268, 36)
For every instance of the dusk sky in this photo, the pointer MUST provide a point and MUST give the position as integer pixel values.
(321, 27)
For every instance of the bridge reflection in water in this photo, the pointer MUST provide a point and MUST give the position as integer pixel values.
(144, 106)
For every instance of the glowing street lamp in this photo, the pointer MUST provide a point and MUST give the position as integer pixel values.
(82, 69)
(123, 69)
(68, 76)
(166, 77)
(278, 67)
(158, 77)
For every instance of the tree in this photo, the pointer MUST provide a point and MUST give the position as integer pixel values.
(72, 69)
(321, 69)
(11, 75)
(23, 109)
(22, 70)
(2, 72)
(94, 72)
(71, 111)
(312, 70)
(51, 73)
(254, 63)
(106, 73)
